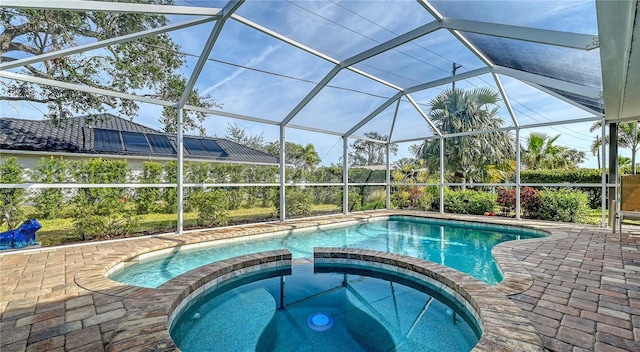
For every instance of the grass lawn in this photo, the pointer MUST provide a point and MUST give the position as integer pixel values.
(60, 231)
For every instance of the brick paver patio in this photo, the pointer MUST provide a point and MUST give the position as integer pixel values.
(586, 290)
(583, 292)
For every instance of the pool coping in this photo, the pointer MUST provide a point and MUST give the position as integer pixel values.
(516, 276)
(146, 325)
(505, 327)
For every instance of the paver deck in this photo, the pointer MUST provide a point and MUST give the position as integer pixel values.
(580, 290)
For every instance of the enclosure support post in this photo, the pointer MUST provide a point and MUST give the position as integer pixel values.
(603, 196)
(518, 174)
(613, 172)
(180, 174)
(345, 175)
(283, 204)
(388, 177)
(441, 175)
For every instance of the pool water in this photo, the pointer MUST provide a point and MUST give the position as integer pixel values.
(460, 245)
(348, 310)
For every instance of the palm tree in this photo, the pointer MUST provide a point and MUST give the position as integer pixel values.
(309, 157)
(535, 150)
(624, 161)
(542, 152)
(595, 148)
(456, 110)
(629, 137)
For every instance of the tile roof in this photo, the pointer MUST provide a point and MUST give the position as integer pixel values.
(77, 135)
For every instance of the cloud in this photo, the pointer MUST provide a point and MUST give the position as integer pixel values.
(250, 63)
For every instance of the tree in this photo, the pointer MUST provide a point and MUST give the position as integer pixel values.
(624, 161)
(304, 158)
(146, 66)
(370, 153)
(597, 141)
(629, 137)
(240, 136)
(411, 164)
(595, 148)
(541, 152)
(468, 157)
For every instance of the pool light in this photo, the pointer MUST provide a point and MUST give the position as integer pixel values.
(320, 322)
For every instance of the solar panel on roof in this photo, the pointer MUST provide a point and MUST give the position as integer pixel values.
(194, 147)
(161, 144)
(214, 148)
(135, 142)
(107, 140)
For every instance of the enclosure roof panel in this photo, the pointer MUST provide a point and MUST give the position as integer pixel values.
(291, 54)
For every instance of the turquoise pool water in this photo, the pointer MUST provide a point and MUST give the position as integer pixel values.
(464, 246)
(340, 309)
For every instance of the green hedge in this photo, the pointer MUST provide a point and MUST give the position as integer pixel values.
(562, 205)
(594, 194)
(298, 202)
(469, 202)
(11, 199)
(212, 207)
(561, 176)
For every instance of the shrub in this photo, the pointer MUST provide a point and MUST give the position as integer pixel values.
(49, 201)
(401, 198)
(562, 205)
(568, 176)
(101, 212)
(468, 202)
(11, 199)
(170, 194)
(298, 202)
(529, 200)
(230, 173)
(377, 199)
(426, 203)
(148, 198)
(355, 200)
(507, 200)
(211, 206)
(197, 173)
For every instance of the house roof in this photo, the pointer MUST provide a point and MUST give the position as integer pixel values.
(107, 134)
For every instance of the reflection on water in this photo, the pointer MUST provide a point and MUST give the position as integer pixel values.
(462, 246)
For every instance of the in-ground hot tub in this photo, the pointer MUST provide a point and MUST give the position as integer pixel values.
(357, 301)
(329, 307)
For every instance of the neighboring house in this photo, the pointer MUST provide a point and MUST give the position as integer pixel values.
(112, 137)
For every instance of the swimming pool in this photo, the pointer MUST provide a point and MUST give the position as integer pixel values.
(333, 308)
(464, 246)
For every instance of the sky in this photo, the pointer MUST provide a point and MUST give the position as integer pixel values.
(253, 74)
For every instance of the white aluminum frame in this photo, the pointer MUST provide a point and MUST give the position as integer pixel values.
(455, 26)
